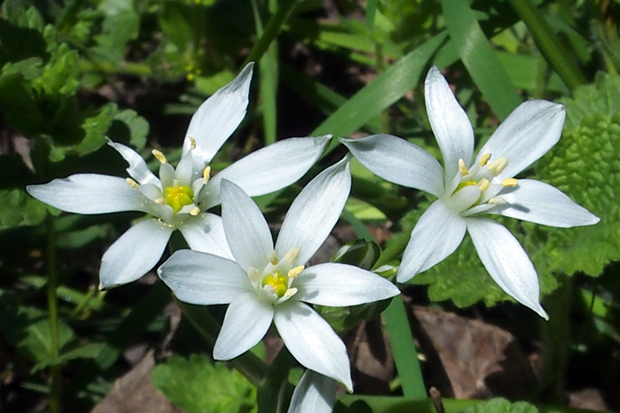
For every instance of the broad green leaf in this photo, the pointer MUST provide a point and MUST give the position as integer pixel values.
(19, 208)
(479, 58)
(120, 25)
(585, 165)
(197, 385)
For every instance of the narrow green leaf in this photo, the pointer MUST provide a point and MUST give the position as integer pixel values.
(371, 10)
(479, 58)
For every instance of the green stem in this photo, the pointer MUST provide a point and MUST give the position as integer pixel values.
(52, 305)
(548, 43)
(248, 364)
(394, 250)
(271, 31)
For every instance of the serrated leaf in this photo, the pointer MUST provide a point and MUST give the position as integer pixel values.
(120, 25)
(87, 351)
(501, 406)
(197, 386)
(138, 128)
(19, 208)
(585, 165)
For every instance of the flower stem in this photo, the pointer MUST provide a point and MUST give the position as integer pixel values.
(275, 391)
(52, 305)
(548, 43)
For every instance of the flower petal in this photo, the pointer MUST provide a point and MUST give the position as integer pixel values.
(506, 262)
(315, 393)
(396, 160)
(217, 118)
(541, 203)
(449, 122)
(438, 232)
(137, 166)
(526, 135)
(93, 194)
(270, 168)
(312, 341)
(246, 230)
(198, 278)
(314, 212)
(135, 253)
(205, 233)
(339, 285)
(246, 322)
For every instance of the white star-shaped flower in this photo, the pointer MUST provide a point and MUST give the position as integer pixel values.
(178, 198)
(468, 188)
(267, 283)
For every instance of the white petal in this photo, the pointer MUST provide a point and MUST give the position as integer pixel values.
(506, 262)
(314, 212)
(526, 135)
(436, 235)
(269, 169)
(339, 285)
(246, 322)
(315, 393)
(217, 118)
(93, 194)
(538, 202)
(137, 166)
(134, 253)
(449, 122)
(205, 233)
(312, 341)
(398, 161)
(246, 230)
(198, 278)
(184, 171)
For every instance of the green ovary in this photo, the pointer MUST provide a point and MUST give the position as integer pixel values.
(178, 196)
(278, 281)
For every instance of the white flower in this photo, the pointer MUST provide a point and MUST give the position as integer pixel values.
(179, 198)
(266, 284)
(315, 393)
(468, 188)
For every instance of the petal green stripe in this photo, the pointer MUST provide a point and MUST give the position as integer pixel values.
(479, 58)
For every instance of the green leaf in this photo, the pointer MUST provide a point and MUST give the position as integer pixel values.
(120, 25)
(87, 351)
(499, 405)
(19, 208)
(28, 329)
(197, 385)
(585, 165)
(479, 58)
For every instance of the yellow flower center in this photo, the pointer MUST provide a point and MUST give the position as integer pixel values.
(177, 196)
(278, 281)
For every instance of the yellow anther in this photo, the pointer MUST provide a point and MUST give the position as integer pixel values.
(292, 255)
(294, 272)
(193, 141)
(273, 258)
(510, 182)
(484, 184)
(497, 166)
(496, 201)
(160, 201)
(485, 159)
(462, 168)
(206, 174)
(254, 275)
(132, 183)
(160, 156)
(194, 212)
